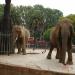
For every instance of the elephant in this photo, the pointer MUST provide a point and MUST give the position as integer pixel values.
(65, 41)
(62, 41)
(20, 38)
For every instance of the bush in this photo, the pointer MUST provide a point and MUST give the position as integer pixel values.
(47, 34)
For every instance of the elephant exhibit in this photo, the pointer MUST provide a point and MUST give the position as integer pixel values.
(37, 37)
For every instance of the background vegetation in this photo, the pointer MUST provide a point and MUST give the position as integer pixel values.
(36, 18)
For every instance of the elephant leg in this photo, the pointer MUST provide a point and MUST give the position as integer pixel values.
(69, 61)
(19, 49)
(24, 49)
(13, 48)
(62, 51)
(58, 54)
(50, 52)
(62, 56)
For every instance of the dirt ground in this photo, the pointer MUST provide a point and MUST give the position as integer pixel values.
(35, 59)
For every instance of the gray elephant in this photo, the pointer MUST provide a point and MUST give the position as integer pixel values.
(63, 38)
(20, 38)
(65, 41)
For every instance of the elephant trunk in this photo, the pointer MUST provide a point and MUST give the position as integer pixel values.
(64, 47)
(64, 42)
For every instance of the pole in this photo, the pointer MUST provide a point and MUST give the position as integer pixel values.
(6, 29)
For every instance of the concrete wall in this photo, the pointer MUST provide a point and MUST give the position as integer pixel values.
(14, 70)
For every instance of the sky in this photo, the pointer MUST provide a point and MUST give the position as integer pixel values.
(66, 6)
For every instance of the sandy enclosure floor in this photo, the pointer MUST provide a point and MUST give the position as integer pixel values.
(36, 60)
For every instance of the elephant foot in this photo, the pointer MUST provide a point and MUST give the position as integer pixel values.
(48, 57)
(60, 61)
(57, 57)
(69, 63)
(24, 53)
(18, 52)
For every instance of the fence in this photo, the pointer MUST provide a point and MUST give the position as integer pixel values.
(36, 43)
(6, 43)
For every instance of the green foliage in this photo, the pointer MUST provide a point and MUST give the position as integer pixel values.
(52, 16)
(47, 34)
(37, 15)
(72, 18)
(1, 11)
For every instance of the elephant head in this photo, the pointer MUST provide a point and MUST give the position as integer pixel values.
(20, 37)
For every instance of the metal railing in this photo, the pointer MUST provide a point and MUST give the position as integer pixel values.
(6, 43)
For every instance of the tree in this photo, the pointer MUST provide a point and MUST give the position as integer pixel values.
(1, 11)
(37, 15)
(72, 18)
(52, 16)
(34, 17)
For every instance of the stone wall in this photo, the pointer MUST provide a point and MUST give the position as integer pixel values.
(14, 70)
